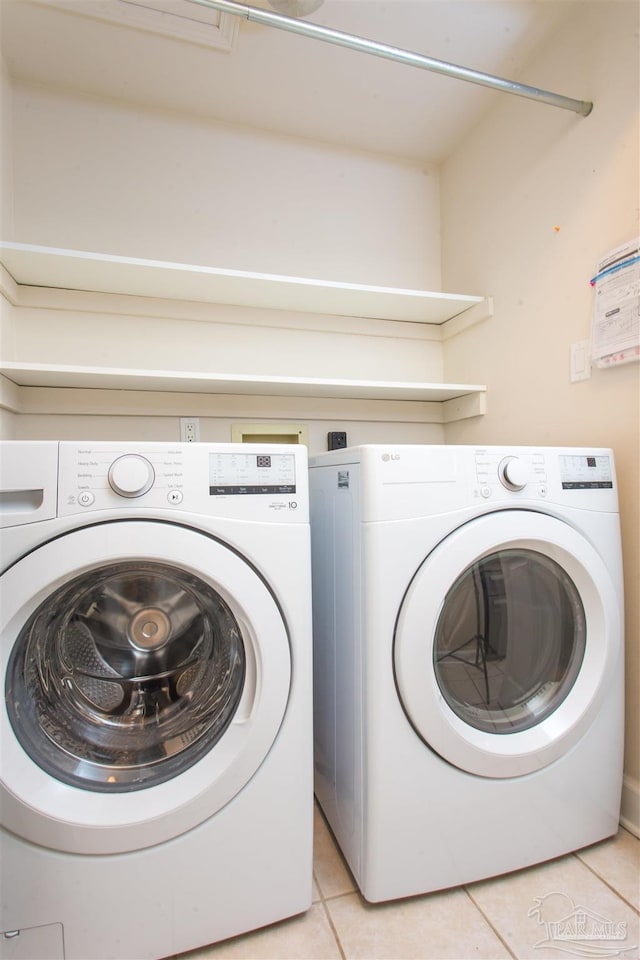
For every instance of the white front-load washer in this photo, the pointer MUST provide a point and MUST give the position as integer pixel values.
(156, 788)
(468, 658)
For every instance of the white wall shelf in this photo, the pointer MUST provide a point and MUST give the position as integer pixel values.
(114, 378)
(52, 268)
(40, 266)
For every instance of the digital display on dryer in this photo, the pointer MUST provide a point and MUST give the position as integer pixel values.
(250, 474)
(586, 472)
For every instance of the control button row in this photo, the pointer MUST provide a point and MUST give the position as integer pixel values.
(486, 491)
(87, 498)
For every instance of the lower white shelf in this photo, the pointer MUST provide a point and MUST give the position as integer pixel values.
(115, 378)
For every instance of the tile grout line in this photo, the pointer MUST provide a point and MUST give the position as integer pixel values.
(333, 928)
(599, 876)
(488, 921)
(340, 896)
(323, 901)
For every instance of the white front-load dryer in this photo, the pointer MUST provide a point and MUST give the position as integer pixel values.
(468, 658)
(156, 789)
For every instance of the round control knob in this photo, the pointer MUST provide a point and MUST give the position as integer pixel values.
(514, 473)
(131, 475)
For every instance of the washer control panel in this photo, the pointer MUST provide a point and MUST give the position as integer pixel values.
(234, 480)
(251, 474)
(131, 475)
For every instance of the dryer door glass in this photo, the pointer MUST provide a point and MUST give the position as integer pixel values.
(509, 641)
(125, 676)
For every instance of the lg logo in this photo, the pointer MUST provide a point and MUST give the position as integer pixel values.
(390, 456)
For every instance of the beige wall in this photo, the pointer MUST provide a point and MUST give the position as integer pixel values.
(6, 153)
(530, 201)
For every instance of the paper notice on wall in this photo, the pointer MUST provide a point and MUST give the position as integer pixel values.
(616, 312)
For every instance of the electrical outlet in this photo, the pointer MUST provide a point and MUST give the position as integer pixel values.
(336, 440)
(189, 429)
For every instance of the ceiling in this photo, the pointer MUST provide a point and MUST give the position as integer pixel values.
(288, 84)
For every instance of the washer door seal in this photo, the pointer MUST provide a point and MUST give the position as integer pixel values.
(81, 811)
(505, 643)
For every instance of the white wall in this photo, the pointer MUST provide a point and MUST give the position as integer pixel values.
(218, 428)
(530, 201)
(144, 333)
(104, 331)
(101, 176)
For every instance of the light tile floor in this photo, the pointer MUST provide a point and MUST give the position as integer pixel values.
(509, 916)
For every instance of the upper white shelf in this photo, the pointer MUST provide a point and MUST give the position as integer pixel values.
(41, 266)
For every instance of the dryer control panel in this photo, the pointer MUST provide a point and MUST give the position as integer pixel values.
(405, 481)
(513, 470)
(586, 472)
(551, 474)
(243, 481)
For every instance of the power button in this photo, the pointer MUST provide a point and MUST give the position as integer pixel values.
(86, 498)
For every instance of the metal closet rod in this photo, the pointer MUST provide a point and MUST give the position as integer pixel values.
(306, 29)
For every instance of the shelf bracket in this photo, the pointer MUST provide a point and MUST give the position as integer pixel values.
(10, 398)
(463, 408)
(468, 318)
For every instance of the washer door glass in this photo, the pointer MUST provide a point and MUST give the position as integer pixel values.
(506, 643)
(125, 676)
(509, 641)
(147, 672)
